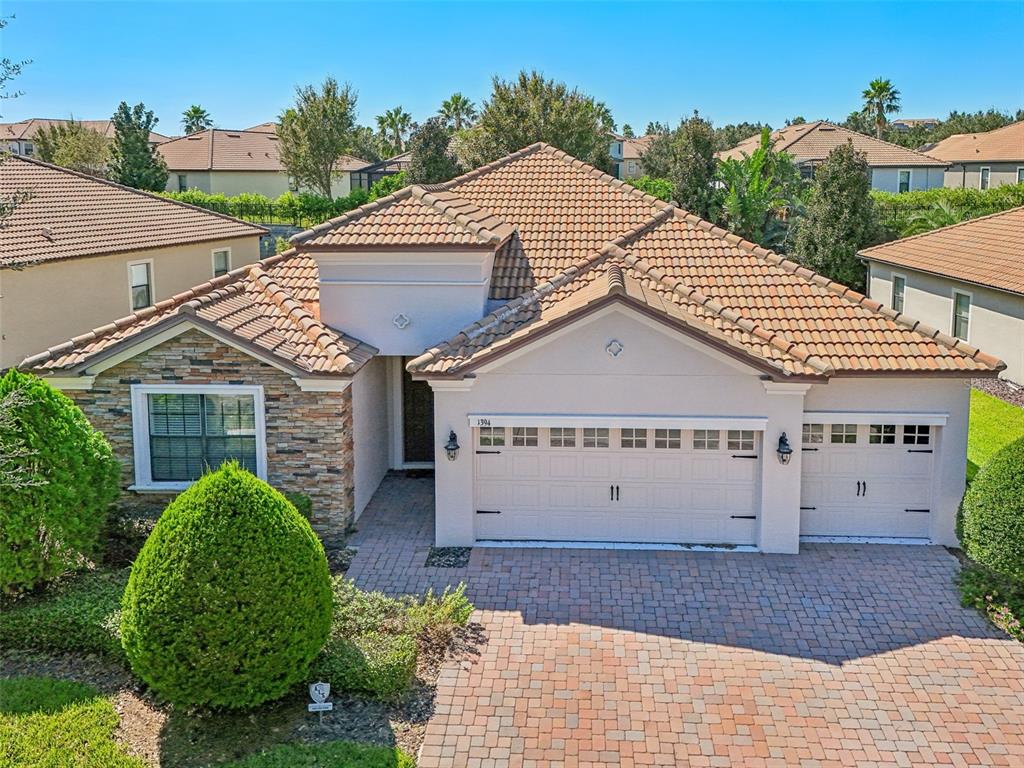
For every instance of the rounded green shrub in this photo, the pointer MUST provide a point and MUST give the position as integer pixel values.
(58, 480)
(992, 524)
(230, 598)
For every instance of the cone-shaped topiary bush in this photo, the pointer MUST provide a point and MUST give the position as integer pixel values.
(58, 479)
(992, 527)
(230, 598)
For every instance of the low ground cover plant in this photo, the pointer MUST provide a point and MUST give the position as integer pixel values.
(334, 754)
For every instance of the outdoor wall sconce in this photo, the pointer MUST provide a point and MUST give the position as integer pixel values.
(784, 450)
(452, 446)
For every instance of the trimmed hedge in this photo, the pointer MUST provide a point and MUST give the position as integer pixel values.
(992, 522)
(54, 522)
(230, 598)
(895, 211)
(381, 665)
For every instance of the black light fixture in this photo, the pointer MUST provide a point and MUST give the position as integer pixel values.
(452, 447)
(784, 450)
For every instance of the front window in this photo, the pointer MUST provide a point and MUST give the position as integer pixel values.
(595, 437)
(492, 436)
(668, 438)
(814, 434)
(844, 434)
(741, 440)
(983, 181)
(633, 438)
(882, 434)
(705, 439)
(916, 434)
(562, 437)
(904, 183)
(141, 278)
(524, 437)
(183, 182)
(961, 315)
(192, 433)
(899, 289)
(221, 262)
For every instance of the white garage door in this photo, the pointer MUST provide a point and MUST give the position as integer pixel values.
(866, 480)
(626, 485)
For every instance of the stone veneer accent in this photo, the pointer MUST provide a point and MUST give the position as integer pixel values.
(309, 434)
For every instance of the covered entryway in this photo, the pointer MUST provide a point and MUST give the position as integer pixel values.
(867, 480)
(617, 484)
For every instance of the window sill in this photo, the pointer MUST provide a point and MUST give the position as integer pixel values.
(159, 488)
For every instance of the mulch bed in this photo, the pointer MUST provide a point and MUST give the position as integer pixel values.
(448, 557)
(1004, 390)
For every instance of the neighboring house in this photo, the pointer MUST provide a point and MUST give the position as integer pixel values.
(80, 252)
(20, 136)
(237, 162)
(576, 359)
(983, 160)
(967, 280)
(904, 124)
(368, 175)
(893, 168)
(627, 153)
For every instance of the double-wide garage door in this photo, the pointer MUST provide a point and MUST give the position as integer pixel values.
(617, 484)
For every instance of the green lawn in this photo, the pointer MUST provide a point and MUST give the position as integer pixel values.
(994, 423)
(334, 754)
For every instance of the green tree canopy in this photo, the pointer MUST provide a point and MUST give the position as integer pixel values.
(432, 160)
(317, 131)
(134, 162)
(686, 158)
(627, 131)
(195, 119)
(880, 101)
(457, 111)
(72, 145)
(393, 128)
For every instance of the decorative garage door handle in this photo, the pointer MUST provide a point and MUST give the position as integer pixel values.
(613, 493)
(858, 487)
(488, 511)
(488, 451)
(917, 510)
(919, 450)
(742, 456)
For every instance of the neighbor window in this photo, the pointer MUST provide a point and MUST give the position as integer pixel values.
(141, 278)
(183, 182)
(899, 289)
(983, 178)
(191, 433)
(221, 262)
(562, 437)
(595, 437)
(882, 434)
(668, 438)
(706, 439)
(631, 167)
(1020, 175)
(814, 434)
(524, 436)
(904, 182)
(844, 433)
(806, 171)
(633, 438)
(961, 315)
(741, 440)
(29, 149)
(492, 436)
(916, 434)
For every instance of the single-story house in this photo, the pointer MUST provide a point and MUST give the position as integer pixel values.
(575, 359)
(79, 252)
(893, 168)
(627, 153)
(983, 160)
(231, 163)
(20, 136)
(966, 279)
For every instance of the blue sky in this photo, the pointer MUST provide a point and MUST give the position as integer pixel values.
(733, 61)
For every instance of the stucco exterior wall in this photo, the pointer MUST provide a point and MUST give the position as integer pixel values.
(888, 179)
(997, 317)
(268, 183)
(968, 175)
(50, 303)
(309, 434)
(370, 429)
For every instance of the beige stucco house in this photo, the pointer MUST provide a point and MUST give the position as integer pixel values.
(983, 160)
(966, 280)
(20, 136)
(232, 163)
(627, 154)
(80, 252)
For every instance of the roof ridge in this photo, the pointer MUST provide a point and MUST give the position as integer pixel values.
(942, 229)
(444, 207)
(880, 141)
(476, 172)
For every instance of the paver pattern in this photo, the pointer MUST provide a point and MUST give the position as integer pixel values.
(840, 656)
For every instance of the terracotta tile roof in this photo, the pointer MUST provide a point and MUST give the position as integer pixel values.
(1004, 144)
(221, 150)
(582, 238)
(633, 149)
(70, 215)
(986, 251)
(812, 142)
(26, 129)
(270, 127)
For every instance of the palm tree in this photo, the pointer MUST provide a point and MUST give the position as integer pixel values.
(880, 99)
(458, 112)
(942, 213)
(394, 126)
(195, 118)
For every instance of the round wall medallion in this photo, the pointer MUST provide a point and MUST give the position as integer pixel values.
(401, 321)
(614, 348)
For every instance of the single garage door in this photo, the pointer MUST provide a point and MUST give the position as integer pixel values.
(867, 480)
(623, 485)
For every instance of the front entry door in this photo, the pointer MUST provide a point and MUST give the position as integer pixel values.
(417, 420)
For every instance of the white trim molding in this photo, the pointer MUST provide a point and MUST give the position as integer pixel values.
(785, 388)
(322, 385)
(213, 259)
(452, 385)
(615, 421)
(71, 382)
(933, 419)
(151, 272)
(144, 482)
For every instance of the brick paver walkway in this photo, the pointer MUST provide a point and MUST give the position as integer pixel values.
(842, 655)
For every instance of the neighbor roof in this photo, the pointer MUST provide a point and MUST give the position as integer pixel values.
(812, 142)
(69, 215)
(582, 238)
(221, 150)
(986, 251)
(633, 149)
(26, 129)
(1004, 144)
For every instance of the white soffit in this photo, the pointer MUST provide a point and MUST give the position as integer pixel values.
(875, 417)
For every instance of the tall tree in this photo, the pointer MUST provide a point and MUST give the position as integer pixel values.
(9, 69)
(686, 157)
(858, 121)
(457, 111)
(394, 127)
(840, 218)
(432, 160)
(656, 126)
(316, 132)
(72, 145)
(365, 144)
(880, 101)
(195, 119)
(627, 131)
(532, 108)
(134, 162)
(728, 136)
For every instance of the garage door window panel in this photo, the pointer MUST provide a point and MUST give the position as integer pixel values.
(524, 437)
(882, 434)
(813, 434)
(492, 437)
(707, 440)
(633, 438)
(668, 438)
(916, 434)
(562, 437)
(843, 434)
(595, 437)
(741, 440)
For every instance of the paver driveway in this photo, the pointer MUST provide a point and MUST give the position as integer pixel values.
(842, 655)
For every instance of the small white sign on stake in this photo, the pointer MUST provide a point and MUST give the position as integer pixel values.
(319, 692)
